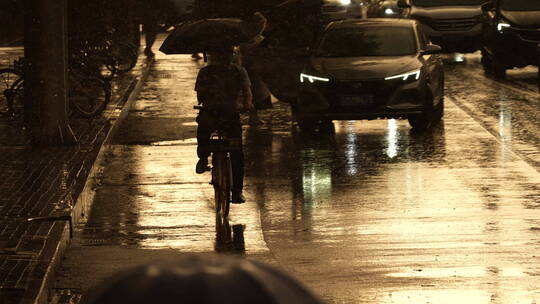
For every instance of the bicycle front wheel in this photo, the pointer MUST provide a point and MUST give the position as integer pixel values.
(89, 96)
(9, 83)
(125, 56)
(221, 170)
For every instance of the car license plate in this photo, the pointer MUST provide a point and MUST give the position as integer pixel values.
(364, 100)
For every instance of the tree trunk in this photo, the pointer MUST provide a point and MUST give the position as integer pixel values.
(46, 79)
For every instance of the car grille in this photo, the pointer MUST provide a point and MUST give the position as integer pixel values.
(530, 35)
(461, 24)
(351, 87)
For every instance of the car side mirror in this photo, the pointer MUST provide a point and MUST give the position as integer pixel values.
(403, 4)
(432, 49)
(487, 7)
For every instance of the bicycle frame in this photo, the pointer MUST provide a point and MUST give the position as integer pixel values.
(222, 179)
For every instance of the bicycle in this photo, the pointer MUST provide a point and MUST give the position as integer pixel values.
(88, 95)
(116, 55)
(222, 179)
(11, 89)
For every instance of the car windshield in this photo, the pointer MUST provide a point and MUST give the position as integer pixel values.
(448, 2)
(367, 41)
(520, 5)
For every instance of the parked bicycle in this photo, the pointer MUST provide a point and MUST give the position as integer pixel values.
(221, 147)
(106, 54)
(11, 102)
(88, 95)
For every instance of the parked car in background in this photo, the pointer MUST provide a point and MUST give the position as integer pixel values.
(368, 69)
(511, 35)
(385, 9)
(333, 10)
(455, 25)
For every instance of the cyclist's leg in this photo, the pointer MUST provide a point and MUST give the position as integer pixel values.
(204, 131)
(150, 28)
(237, 162)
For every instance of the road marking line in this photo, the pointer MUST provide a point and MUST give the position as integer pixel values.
(505, 85)
(496, 135)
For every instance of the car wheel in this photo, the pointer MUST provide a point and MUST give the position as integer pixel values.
(439, 110)
(431, 116)
(420, 122)
(539, 74)
(499, 71)
(487, 63)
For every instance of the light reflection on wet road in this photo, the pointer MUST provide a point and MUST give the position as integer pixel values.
(418, 219)
(370, 213)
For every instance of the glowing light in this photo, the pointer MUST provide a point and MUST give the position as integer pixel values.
(350, 151)
(312, 78)
(502, 25)
(316, 183)
(405, 76)
(392, 139)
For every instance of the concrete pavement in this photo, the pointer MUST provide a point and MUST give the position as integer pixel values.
(48, 182)
(150, 204)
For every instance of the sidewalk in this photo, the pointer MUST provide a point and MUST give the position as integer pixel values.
(49, 182)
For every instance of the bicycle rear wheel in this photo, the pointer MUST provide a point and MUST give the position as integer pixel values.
(125, 56)
(221, 177)
(9, 82)
(89, 96)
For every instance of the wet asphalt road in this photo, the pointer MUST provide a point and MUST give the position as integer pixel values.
(370, 213)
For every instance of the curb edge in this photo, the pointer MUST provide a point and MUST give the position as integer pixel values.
(84, 200)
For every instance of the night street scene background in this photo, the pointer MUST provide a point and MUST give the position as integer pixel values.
(392, 154)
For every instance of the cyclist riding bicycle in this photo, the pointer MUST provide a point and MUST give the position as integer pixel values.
(218, 87)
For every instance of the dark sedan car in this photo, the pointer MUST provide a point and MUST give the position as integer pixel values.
(369, 69)
(511, 36)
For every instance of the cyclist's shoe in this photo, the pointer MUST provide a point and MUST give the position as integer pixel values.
(202, 166)
(238, 198)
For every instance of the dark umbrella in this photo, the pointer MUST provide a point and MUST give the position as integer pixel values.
(203, 280)
(205, 34)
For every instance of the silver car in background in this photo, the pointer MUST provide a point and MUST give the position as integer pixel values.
(333, 10)
(455, 25)
(385, 9)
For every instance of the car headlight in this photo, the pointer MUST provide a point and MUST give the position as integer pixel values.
(413, 75)
(389, 11)
(311, 78)
(345, 2)
(501, 26)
